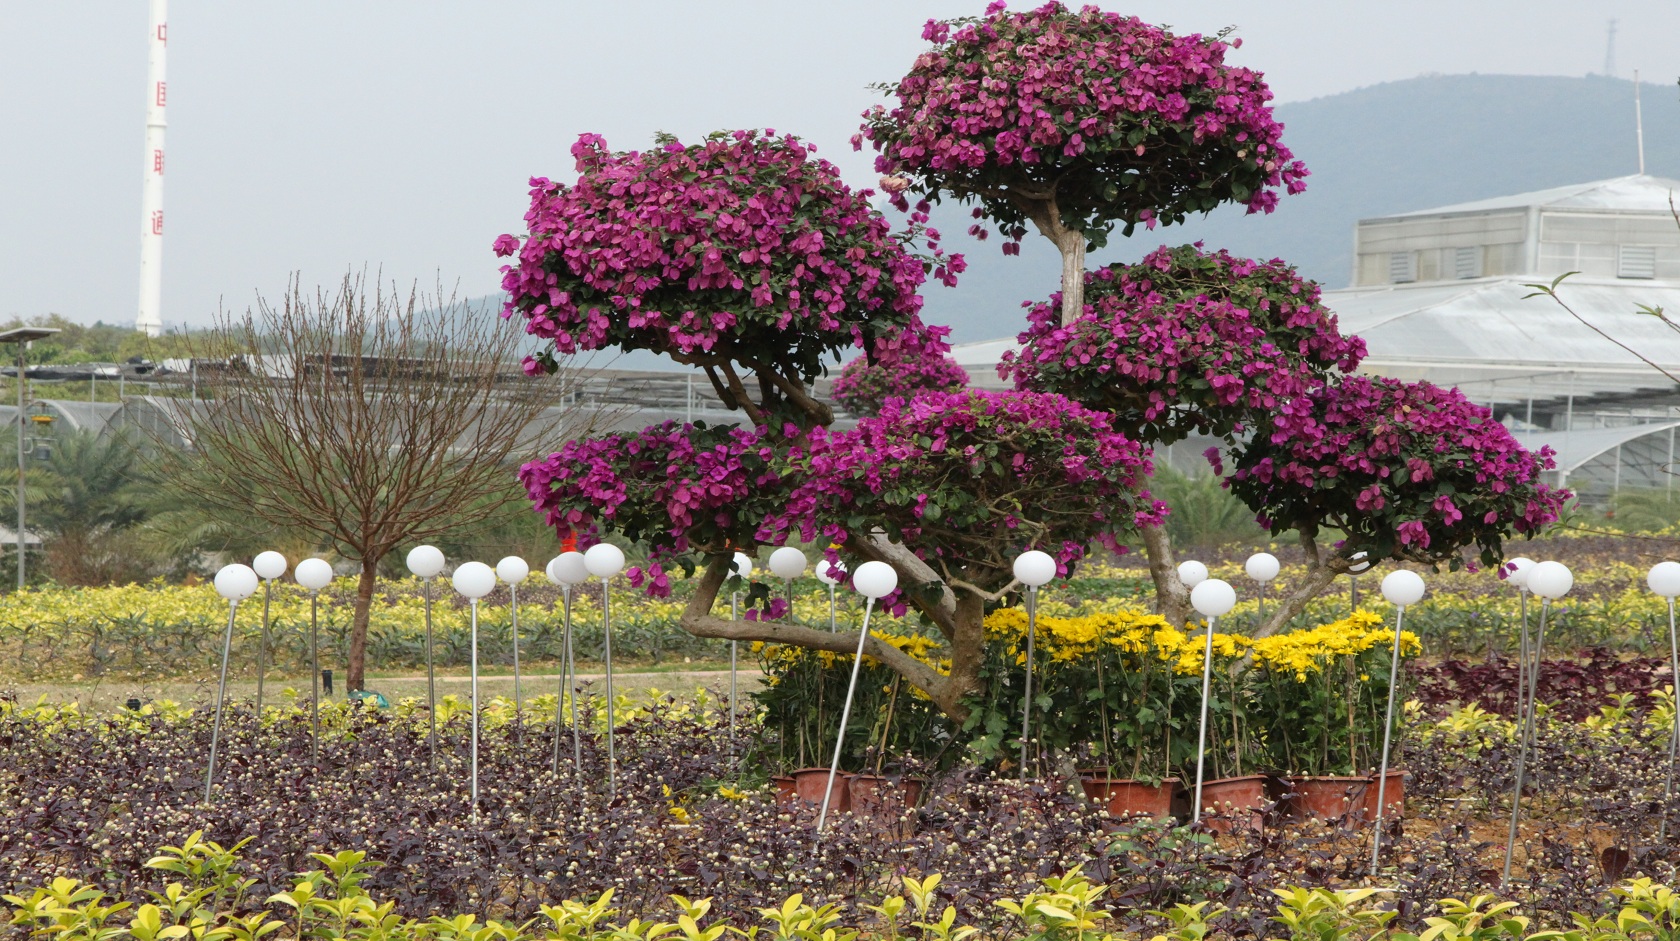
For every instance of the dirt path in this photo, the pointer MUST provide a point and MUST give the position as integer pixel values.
(111, 694)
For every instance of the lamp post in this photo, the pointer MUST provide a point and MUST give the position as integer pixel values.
(474, 580)
(268, 566)
(235, 583)
(23, 336)
(513, 571)
(427, 562)
(1262, 567)
(1549, 581)
(1518, 575)
(742, 569)
(1032, 569)
(1213, 599)
(568, 571)
(873, 580)
(314, 575)
(1664, 581)
(1402, 588)
(605, 560)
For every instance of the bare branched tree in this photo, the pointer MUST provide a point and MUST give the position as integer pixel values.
(364, 419)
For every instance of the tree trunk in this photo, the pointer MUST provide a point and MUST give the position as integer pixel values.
(1071, 243)
(1172, 599)
(356, 670)
(1319, 577)
(947, 692)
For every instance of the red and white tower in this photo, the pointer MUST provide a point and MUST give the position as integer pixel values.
(150, 318)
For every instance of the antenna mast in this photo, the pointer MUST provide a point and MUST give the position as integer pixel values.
(1610, 51)
(1638, 123)
(150, 318)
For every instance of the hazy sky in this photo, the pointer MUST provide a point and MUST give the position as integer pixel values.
(315, 136)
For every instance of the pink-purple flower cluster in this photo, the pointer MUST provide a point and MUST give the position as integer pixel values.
(1185, 341)
(678, 487)
(1130, 122)
(1407, 470)
(899, 366)
(967, 479)
(745, 246)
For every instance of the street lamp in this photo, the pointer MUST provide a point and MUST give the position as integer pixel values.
(1032, 569)
(314, 575)
(269, 566)
(22, 336)
(235, 583)
(474, 580)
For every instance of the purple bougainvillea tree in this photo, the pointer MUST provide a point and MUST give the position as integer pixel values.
(898, 368)
(1078, 122)
(748, 257)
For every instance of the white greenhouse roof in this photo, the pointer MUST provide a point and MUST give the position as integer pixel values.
(1485, 336)
(1637, 193)
(1575, 448)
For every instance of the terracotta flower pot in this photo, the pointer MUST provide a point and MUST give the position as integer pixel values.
(883, 797)
(809, 784)
(1234, 803)
(1123, 797)
(785, 792)
(1394, 795)
(1336, 799)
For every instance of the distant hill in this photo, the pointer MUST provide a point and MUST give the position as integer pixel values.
(1389, 148)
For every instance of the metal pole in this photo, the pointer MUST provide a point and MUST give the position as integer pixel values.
(475, 710)
(568, 679)
(315, 675)
(845, 716)
(734, 615)
(431, 680)
(1526, 731)
(832, 626)
(1674, 735)
(1026, 700)
(518, 698)
(1201, 740)
(262, 646)
(606, 630)
(221, 696)
(1388, 729)
(20, 548)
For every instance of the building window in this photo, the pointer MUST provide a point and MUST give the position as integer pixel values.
(1467, 262)
(1636, 261)
(1402, 267)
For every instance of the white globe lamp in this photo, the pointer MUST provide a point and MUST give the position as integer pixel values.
(1192, 573)
(269, 565)
(425, 561)
(604, 560)
(1403, 588)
